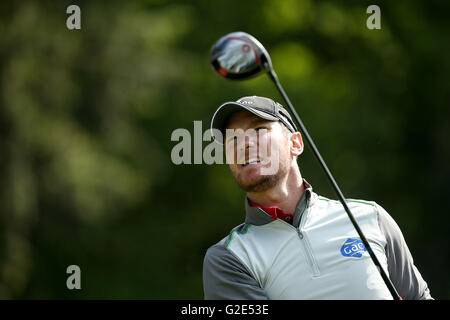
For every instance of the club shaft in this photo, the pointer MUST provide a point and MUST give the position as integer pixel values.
(387, 281)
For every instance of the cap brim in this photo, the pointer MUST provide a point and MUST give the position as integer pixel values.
(223, 113)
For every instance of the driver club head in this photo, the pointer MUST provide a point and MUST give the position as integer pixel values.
(239, 56)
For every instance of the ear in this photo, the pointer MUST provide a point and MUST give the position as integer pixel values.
(296, 144)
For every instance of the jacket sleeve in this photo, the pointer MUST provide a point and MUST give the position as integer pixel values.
(226, 278)
(402, 271)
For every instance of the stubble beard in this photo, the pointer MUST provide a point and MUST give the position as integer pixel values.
(263, 182)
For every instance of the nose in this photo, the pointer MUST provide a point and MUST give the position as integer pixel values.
(251, 145)
(251, 140)
(245, 147)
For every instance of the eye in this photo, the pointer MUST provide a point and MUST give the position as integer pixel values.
(263, 128)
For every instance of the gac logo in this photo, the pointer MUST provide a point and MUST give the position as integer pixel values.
(353, 248)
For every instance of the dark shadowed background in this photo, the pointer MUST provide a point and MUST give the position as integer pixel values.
(86, 118)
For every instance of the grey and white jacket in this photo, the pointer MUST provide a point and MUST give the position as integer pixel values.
(318, 256)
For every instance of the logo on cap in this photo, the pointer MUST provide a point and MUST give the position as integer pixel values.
(353, 248)
(246, 101)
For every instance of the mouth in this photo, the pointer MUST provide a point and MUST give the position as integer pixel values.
(251, 161)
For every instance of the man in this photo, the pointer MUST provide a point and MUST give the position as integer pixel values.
(295, 244)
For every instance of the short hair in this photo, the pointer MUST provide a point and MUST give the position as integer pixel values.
(285, 130)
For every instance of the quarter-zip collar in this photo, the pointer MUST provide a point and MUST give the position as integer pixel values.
(257, 216)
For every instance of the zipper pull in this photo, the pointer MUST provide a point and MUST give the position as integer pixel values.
(300, 234)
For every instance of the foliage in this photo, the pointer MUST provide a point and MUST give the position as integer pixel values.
(86, 118)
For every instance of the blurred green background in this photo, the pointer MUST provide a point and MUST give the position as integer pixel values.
(86, 118)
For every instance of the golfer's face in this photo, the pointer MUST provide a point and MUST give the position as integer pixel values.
(254, 148)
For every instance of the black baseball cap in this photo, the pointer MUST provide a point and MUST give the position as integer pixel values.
(262, 107)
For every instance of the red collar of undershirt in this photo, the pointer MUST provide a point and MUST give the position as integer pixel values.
(275, 212)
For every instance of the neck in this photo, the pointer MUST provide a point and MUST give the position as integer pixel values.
(284, 195)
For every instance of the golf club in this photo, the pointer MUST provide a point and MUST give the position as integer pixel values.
(240, 56)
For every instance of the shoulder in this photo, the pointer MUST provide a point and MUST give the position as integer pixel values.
(221, 247)
(357, 206)
(220, 262)
(350, 201)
